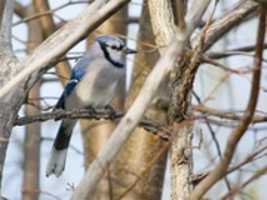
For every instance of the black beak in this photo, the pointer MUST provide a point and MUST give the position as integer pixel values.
(131, 51)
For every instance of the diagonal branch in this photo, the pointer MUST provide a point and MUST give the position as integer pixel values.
(70, 33)
(221, 169)
(227, 22)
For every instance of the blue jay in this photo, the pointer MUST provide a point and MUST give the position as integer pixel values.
(94, 80)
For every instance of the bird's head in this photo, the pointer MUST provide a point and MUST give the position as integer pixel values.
(114, 49)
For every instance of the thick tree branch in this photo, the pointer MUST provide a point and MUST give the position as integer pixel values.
(6, 24)
(9, 66)
(221, 169)
(70, 33)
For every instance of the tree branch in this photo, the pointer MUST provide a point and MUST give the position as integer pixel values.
(97, 114)
(228, 115)
(227, 22)
(221, 169)
(6, 24)
(259, 173)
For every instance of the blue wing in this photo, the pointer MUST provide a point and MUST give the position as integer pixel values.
(67, 91)
(76, 75)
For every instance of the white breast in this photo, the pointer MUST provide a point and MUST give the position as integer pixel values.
(98, 86)
(89, 93)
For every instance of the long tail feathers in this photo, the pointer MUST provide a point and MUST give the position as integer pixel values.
(56, 163)
(58, 155)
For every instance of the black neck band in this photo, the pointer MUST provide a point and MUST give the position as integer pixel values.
(107, 55)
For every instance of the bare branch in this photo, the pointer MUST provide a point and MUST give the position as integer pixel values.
(254, 177)
(230, 52)
(227, 22)
(228, 114)
(91, 113)
(221, 169)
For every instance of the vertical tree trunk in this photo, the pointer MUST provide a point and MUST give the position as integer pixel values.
(33, 131)
(9, 104)
(96, 133)
(32, 151)
(161, 12)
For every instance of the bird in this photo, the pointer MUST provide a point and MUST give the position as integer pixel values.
(93, 83)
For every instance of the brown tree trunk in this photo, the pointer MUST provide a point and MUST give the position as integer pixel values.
(32, 151)
(33, 131)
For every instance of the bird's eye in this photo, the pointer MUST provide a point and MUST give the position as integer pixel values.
(113, 47)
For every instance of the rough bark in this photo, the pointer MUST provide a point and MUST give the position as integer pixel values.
(181, 168)
(33, 131)
(9, 104)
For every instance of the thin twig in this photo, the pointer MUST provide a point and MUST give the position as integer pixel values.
(221, 169)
